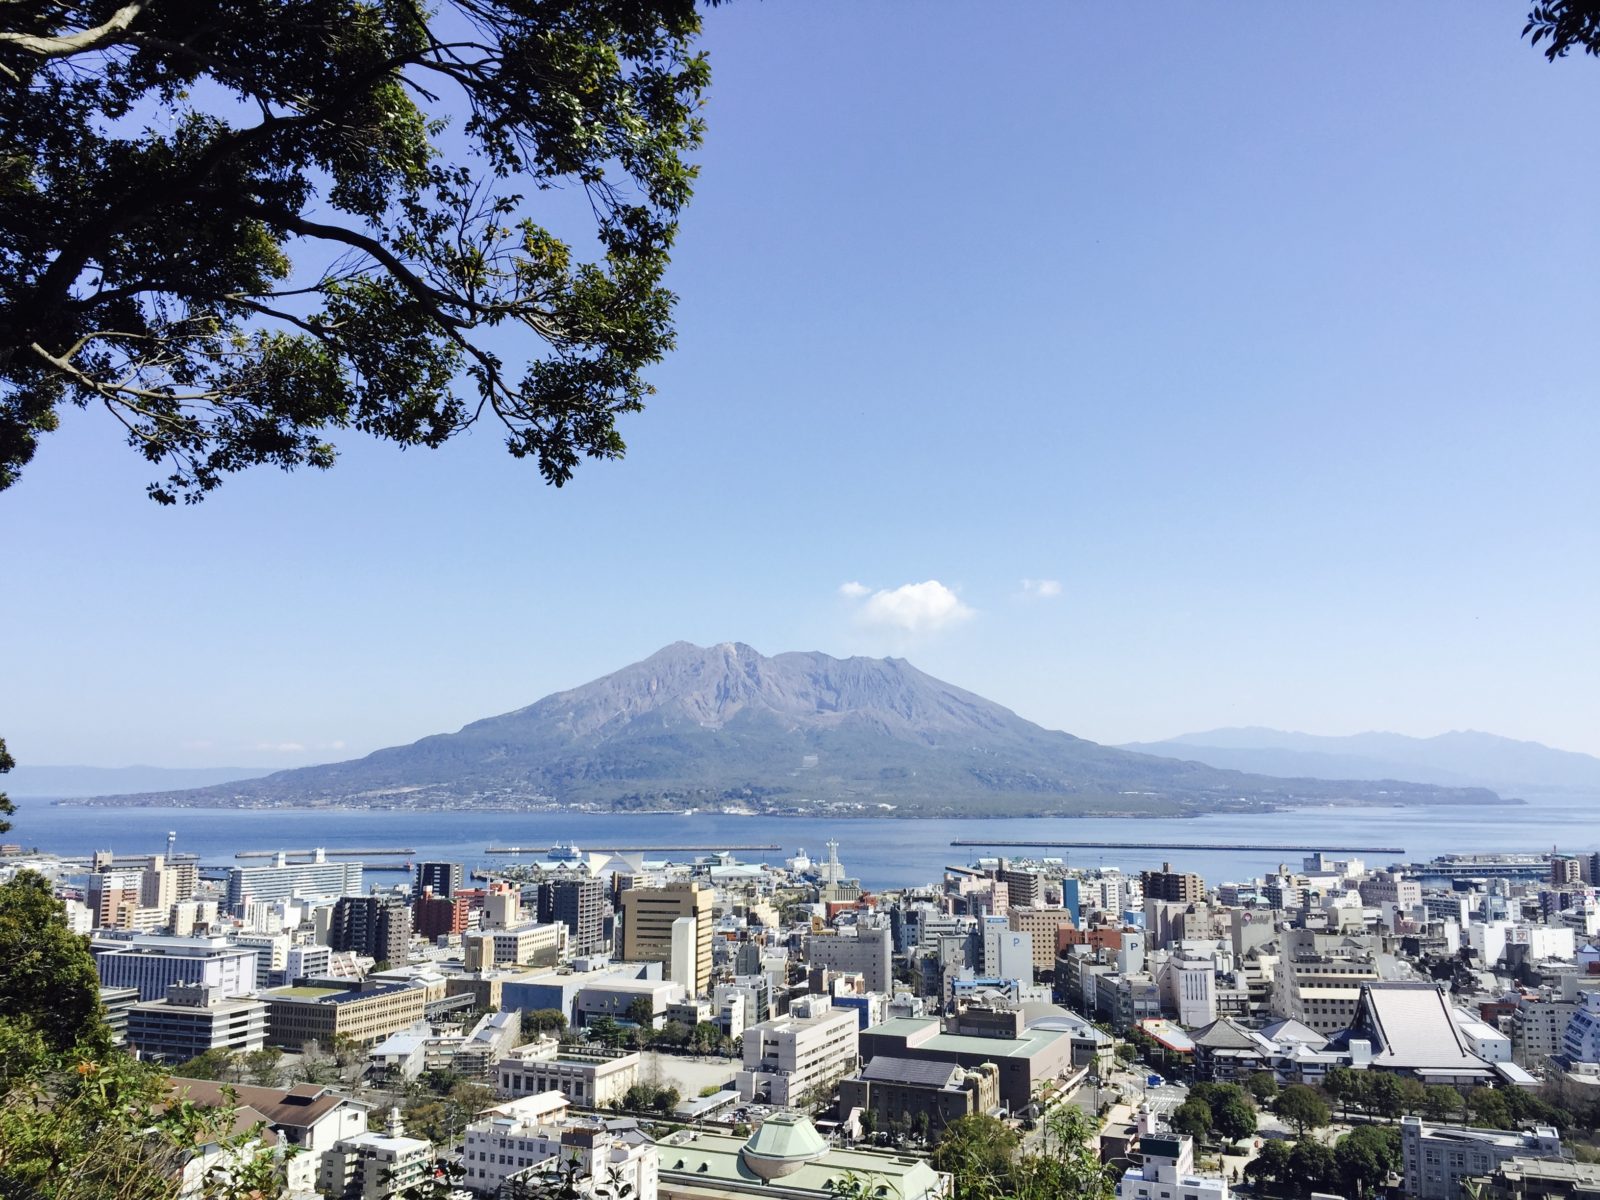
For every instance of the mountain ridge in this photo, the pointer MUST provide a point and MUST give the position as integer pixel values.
(1462, 757)
(724, 726)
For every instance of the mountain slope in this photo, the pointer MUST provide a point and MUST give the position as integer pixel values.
(1463, 758)
(726, 726)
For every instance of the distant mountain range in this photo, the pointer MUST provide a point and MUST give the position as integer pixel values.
(26, 781)
(1460, 759)
(725, 727)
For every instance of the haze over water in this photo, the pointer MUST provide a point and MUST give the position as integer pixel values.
(882, 853)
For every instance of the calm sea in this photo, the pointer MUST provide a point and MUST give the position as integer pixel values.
(882, 853)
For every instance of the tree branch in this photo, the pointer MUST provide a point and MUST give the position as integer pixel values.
(77, 43)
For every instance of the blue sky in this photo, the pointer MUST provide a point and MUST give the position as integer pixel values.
(1262, 333)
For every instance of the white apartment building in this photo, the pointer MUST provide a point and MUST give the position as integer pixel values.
(375, 1166)
(1167, 1170)
(799, 1055)
(535, 1136)
(1189, 989)
(1007, 953)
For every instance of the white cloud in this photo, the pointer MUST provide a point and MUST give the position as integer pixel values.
(1041, 589)
(910, 608)
(281, 747)
(853, 590)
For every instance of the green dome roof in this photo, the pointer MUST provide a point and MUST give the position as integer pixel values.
(784, 1143)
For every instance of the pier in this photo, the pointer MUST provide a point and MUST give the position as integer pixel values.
(634, 849)
(1243, 847)
(403, 850)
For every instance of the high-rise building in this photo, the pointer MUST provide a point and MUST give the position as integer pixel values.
(285, 881)
(439, 916)
(445, 878)
(577, 904)
(153, 964)
(647, 919)
(1176, 886)
(377, 926)
(868, 951)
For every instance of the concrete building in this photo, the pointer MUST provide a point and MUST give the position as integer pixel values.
(285, 881)
(579, 904)
(1007, 954)
(1055, 1049)
(153, 963)
(1317, 978)
(440, 916)
(192, 1019)
(588, 1076)
(1167, 1168)
(443, 879)
(524, 944)
(1175, 886)
(297, 1015)
(1189, 989)
(375, 1166)
(535, 1139)
(1436, 1160)
(378, 927)
(920, 1093)
(1044, 927)
(648, 915)
(868, 952)
(800, 1055)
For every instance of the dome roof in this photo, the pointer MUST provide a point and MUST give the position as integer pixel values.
(784, 1143)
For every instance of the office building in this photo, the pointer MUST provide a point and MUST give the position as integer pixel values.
(1167, 1169)
(297, 1015)
(153, 963)
(648, 915)
(1436, 1159)
(375, 1166)
(442, 878)
(866, 951)
(193, 1019)
(440, 916)
(590, 1076)
(579, 904)
(285, 881)
(791, 1059)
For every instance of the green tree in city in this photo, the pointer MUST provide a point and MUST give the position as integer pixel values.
(976, 1151)
(328, 216)
(641, 1012)
(1385, 1095)
(1271, 1165)
(1068, 1163)
(1312, 1167)
(1365, 1156)
(1262, 1086)
(1234, 1119)
(1193, 1117)
(48, 981)
(1441, 1102)
(217, 1064)
(1301, 1107)
(7, 808)
(1346, 1088)
(1489, 1108)
(544, 1020)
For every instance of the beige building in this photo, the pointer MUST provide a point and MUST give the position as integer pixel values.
(297, 1015)
(648, 915)
(588, 1076)
(527, 944)
(1042, 924)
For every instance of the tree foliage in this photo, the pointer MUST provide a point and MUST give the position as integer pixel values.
(1562, 25)
(241, 227)
(6, 806)
(48, 981)
(976, 1150)
(1302, 1107)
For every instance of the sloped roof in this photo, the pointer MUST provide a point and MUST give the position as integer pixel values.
(1224, 1034)
(886, 1068)
(1410, 1027)
(298, 1107)
(1290, 1030)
